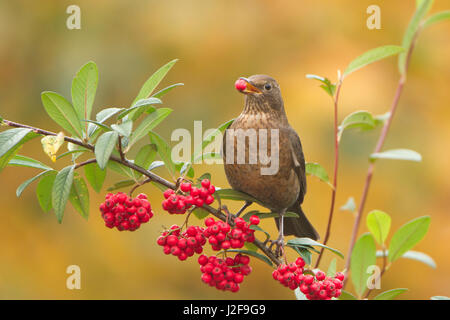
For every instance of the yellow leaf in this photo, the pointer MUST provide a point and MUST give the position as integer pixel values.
(51, 144)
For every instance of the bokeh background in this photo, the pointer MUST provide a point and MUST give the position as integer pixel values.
(216, 42)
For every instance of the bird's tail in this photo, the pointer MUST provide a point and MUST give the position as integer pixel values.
(299, 227)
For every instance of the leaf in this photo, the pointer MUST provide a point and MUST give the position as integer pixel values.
(265, 215)
(98, 124)
(76, 150)
(200, 213)
(345, 295)
(107, 113)
(357, 119)
(437, 17)
(440, 298)
(22, 161)
(84, 87)
(390, 294)
(152, 83)
(299, 295)
(379, 224)
(10, 143)
(182, 167)
(315, 169)
(250, 246)
(253, 254)
(372, 56)
(258, 228)
(397, 154)
(155, 164)
(104, 147)
(141, 106)
(51, 145)
(148, 124)
(163, 150)
(121, 184)
(29, 181)
(145, 156)
(363, 256)
(349, 205)
(232, 194)
(413, 255)
(413, 27)
(311, 242)
(329, 87)
(79, 197)
(198, 150)
(95, 176)
(61, 189)
(120, 169)
(162, 92)
(304, 253)
(44, 191)
(124, 129)
(62, 112)
(332, 268)
(407, 236)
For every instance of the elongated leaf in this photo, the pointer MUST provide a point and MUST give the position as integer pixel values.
(79, 197)
(258, 228)
(10, 143)
(141, 105)
(124, 129)
(231, 194)
(145, 156)
(315, 169)
(98, 124)
(422, 8)
(185, 168)
(62, 112)
(200, 213)
(164, 91)
(311, 242)
(397, 154)
(95, 176)
(44, 191)
(329, 87)
(23, 161)
(345, 295)
(253, 254)
(197, 155)
(155, 164)
(29, 181)
(390, 294)
(107, 113)
(84, 87)
(413, 255)
(250, 246)
(266, 215)
(62, 155)
(437, 17)
(163, 150)
(121, 184)
(379, 224)
(61, 190)
(440, 298)
(104, 147)
(408, 236)
(363, 256)
(148, 124)
(372, 56)
(357, 119)
(332, 268)
(75, 150)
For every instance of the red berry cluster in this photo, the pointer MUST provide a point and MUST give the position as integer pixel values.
(125, 213)
(221, 236)
(224, 274)
(182, 245)
(178, 203)
(315, 287)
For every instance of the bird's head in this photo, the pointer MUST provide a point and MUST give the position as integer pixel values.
(261, 91)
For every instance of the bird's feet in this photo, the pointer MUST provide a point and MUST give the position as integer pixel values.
(279, 245)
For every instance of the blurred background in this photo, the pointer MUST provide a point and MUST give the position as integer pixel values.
(216, 42)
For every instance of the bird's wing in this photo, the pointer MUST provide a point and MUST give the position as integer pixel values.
(298, 160)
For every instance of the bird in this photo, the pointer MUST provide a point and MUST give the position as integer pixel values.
(284, 190)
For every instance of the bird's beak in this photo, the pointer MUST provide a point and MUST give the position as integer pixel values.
(250, 88)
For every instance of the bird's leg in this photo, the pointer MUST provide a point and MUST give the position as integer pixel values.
(247, 203)
(280, 241)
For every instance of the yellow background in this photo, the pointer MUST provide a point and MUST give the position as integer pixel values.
(216, 42)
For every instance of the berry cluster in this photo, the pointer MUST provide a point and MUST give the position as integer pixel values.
(182, 245)
(125, 213)
(178, 203)
(315, 287)
(224, 274)
(221, 236)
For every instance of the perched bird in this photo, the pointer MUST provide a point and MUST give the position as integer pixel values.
(283, 189)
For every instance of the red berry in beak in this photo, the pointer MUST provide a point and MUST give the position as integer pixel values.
(240, 84)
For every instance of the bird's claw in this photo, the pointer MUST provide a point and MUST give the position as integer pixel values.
(279, 246)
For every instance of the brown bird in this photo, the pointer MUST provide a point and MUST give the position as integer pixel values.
(282, 188)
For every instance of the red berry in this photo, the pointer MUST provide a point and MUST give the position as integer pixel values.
(320, 275)
(340, 276)
(185, 187)
(240, 84)
(206, 183)
(254, 220)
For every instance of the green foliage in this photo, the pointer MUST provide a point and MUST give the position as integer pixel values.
(10, 142)
(61, 189)
(266, 215)
(95, 176)
(123, 129)
(306, 242)
(84, 87)
(232, 194)
(145, 156)
(140, 106)
(104, 147)
(345, 295)
(349, 205)
(29, 181)
(163, 150)
(390, 294)
(253, 254)
(23, 161)
(326, 85)
(164, 91)
(121, 184)
(413, 255)
(437, 17)
(44, 191)
(363, 256)
(379, 224)
(332, 268)
(200, 213)
(315, 169)
(397, 154)
(198, 150)
(358, 119)
(79, 197)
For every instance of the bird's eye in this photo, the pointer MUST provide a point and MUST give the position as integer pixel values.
(267, 86)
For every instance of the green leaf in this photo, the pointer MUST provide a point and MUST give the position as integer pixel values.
(155, 164)
(397, 154)
(104, 147)
(345, 295)
(23, 161)
(413, 255)
(413, 27)
(29, 181)
(152, 83)
(148, 124)
(349, 205)
(304, 253)
(107, 113)
(121, 184)
(379, 224)
(95, 176)
(357, 119)
(258, 228)
(315, 169)
(437, 17)
(407, 236)
(62, 112)
(11, 141)
(182, 167)
(440, 298)
(200, 213)
(232, 194)
(266, 215)
(372, 56)
(162, 92)
(44, 191)
(141, 106)
(208, 156)
(61, 190)
(75, 150)
(98, 124)
(79, 197)
(311, 242)
(250, 246)
(198, 150)
(332, 268)
(145, 156)
(363, 256)
(163, 150)
(124, 129)
(329, 87)
(253, 254)
(84, 87)
(390, 294)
